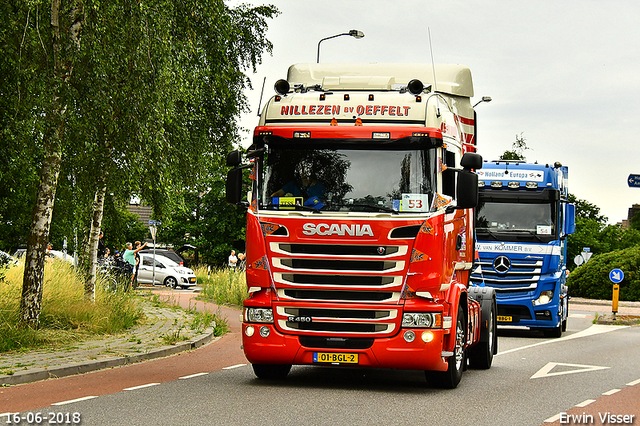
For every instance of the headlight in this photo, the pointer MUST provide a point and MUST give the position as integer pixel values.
(422, 320)
(545, 297)
(258, 315)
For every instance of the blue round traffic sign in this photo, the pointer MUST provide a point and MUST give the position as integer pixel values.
(616, 275)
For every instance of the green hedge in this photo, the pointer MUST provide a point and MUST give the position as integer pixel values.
(591, 280)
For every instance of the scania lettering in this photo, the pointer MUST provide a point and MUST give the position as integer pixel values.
(360, 223)
(335, 229)
(523, 222)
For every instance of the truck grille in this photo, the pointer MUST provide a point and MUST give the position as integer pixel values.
(358, 321)
(368, 277)
(522, 275)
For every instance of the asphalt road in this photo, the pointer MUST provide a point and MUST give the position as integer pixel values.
(533, 381)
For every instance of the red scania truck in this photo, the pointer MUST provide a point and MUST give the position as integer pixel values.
(360, 233)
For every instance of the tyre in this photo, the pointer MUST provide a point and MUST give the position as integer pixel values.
(170, 282)
(271, 371)
(554, 332)
(481, 355)
(451, 378)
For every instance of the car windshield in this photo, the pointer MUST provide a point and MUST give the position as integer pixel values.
(340, 179)
(534, 219)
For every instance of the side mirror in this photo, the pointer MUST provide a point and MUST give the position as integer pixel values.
(234, 186)
(570, 219)
(234, 158)
(471, 160)
(467, 189)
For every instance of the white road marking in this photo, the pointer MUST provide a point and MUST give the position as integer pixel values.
(233, 366)
(591, 331)
(611, 392)
(578, 368)
(71, 401)
(635, 382)
(193, 375)
(578, 316)
(585, 403)
(554, 418)
(148, 385)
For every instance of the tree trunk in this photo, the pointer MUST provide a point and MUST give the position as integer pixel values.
(31, 302)
(32, 283)
(94, 234)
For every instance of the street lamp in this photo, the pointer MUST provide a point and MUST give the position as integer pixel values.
(484, 99)
(353, 33)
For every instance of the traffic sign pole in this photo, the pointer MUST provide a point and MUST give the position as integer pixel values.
(616, 276)
(614, 303)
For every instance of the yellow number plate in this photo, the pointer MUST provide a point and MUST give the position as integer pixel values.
(504, 318)
(332, 357)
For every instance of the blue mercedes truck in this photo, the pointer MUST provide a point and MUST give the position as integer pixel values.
(522, 223)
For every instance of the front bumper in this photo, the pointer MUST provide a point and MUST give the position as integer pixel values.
(392, 352)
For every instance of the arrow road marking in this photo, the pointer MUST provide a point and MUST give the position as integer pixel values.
(579, 368)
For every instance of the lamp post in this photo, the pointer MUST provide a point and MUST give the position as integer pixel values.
(353, 33)
(484, 99)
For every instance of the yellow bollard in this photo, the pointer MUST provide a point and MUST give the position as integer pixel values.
(614, 304)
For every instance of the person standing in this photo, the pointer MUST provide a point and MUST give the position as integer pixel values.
(102, 249)
(233, 260)
(136, 265)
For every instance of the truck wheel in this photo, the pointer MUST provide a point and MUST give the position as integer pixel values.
(553, 332)
(481, 355)
(449, 379)
(271, 371)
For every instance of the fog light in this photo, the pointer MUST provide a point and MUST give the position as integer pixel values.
(248, 331)
(427, 336)
(409, 336)
(264, 331)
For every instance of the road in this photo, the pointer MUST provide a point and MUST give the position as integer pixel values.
(533, 381)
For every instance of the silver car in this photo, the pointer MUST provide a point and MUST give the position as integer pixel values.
(167, 272)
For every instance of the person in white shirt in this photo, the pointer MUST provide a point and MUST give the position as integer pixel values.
(233, 260)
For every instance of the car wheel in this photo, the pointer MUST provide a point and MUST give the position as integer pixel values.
(170, 282)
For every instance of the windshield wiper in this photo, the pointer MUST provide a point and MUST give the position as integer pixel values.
(372, 206)
(486, 230)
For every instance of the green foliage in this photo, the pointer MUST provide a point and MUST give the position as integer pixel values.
(517, 150)
(591, 280)
(593, 232)
(150, 107)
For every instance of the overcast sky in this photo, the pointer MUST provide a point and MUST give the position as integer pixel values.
(564, 74)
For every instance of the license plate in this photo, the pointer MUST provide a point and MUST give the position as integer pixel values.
(505, 318)
(335, 358)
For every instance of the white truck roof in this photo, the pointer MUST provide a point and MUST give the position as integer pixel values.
(452, 79)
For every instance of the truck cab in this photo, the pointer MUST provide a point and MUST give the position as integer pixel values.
(523, 220)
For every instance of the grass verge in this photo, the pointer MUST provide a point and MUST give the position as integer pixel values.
(223, 286)
(65, 316)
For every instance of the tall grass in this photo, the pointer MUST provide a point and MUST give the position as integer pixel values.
(222, 285)
(65, 315)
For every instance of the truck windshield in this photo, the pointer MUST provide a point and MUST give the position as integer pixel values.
(348, 180)
(516, 219)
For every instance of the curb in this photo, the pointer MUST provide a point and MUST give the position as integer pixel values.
(37, 374)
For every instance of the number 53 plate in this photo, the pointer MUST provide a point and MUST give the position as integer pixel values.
(414, 203)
